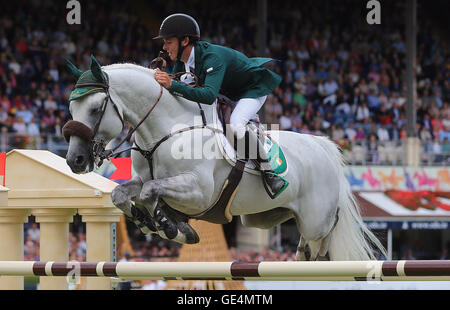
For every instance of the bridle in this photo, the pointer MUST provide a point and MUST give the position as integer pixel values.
(97, 146)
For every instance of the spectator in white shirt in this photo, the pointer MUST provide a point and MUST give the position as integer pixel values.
(354, 76)
(53, 71)
(362, 112)
(402, 99)
(392, 101)
(302, 53)
(321, 88)
(285, 120)
(34, 232)
(331, 86)
(33, 128)
(19, 126)
(350, 132)
(25, 114)
(14, 66)
(50, 103)
(382, 133)
(337, 132)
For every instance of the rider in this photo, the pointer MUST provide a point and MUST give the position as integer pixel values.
(223, 69)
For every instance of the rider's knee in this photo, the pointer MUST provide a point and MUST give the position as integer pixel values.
(238, 129)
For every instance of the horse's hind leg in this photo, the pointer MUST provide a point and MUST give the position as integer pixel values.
(300, 255)
(313, 239)
(320, 247)
(325, 245)
(323, 252)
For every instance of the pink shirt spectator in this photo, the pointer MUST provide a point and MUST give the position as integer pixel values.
(360, 136)
(49, 119)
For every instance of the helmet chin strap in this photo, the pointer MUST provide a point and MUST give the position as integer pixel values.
(180, 48)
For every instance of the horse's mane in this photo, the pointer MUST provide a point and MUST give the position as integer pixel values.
(132, 66)
(128, 66)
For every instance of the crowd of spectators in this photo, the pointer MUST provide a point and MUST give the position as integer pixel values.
(77, 241)
(341, 77)
(35, 39)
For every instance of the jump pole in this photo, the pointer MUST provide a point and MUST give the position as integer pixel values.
(438, 270)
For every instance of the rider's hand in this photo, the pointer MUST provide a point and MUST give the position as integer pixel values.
(163, 78)
(164, 63)
(158, 62)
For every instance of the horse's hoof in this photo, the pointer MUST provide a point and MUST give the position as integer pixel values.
(300, 256)
(190, 233)
(323, 258)
(144, 222)
(165, 224)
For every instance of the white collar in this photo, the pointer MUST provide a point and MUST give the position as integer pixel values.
(191, 60)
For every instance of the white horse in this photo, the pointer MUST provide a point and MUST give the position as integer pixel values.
(317, 185)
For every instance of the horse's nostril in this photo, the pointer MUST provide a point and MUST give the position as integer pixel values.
(79, 160)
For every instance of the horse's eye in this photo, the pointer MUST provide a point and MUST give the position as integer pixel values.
(95, 110)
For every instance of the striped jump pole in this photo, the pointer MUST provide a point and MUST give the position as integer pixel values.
(262, 271)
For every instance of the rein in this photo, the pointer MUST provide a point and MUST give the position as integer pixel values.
(148, 154)
(110, 153)
(79, 129)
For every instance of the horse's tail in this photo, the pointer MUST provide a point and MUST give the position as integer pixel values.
(351, 239)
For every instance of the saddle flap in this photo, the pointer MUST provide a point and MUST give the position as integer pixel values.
(219, 212)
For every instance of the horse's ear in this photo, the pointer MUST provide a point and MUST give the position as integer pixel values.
(74, 70)
(96, 69)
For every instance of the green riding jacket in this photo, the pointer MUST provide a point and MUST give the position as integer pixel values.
(223, 70)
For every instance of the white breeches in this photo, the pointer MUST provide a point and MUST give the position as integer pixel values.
(245, 110)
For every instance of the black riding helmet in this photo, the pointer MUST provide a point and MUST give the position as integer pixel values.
(180, 26)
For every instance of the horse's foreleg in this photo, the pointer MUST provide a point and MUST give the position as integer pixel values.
(182, 188)
(123, 194)
(121, 197)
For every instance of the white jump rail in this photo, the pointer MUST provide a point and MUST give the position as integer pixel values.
(438, 270)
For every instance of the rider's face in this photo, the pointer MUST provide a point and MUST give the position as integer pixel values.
(171, 46)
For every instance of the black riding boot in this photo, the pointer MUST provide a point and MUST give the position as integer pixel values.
(254, 150)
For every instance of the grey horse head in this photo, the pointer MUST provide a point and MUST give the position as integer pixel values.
(86, 103)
